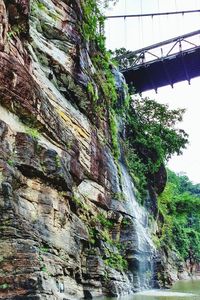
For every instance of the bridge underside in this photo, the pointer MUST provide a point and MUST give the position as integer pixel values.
(175, 68)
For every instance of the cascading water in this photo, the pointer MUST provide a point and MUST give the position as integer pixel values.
(140, 247)
(142, 250)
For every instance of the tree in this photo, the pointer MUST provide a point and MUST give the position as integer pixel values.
(180, 210)
(151, 139)
(151, 129)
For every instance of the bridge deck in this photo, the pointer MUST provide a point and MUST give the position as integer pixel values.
(164, 63)
(182, 66)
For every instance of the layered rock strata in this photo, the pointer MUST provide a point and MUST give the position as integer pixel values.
(62, 215)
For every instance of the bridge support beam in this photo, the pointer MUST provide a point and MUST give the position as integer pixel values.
(170, 82)
(185, 68)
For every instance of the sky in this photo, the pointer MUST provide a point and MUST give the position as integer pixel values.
(141, 32)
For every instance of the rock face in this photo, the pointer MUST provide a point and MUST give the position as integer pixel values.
(169, 268)
(62, 214)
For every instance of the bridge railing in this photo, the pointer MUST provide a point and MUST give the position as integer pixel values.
(159, 51)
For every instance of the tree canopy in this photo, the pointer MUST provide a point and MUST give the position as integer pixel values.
(179, 205)
(152, 136)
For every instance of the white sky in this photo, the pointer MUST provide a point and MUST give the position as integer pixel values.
(137, 33)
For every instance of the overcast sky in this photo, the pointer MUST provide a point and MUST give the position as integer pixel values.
(140, 32)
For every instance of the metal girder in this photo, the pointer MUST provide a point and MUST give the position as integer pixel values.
(162, 50)
(161, 72)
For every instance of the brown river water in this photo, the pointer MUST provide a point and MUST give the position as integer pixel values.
(182, 290)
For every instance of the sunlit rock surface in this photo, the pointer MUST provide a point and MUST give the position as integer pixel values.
(58, 176)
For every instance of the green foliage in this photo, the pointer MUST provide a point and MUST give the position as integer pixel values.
(109, 88)
(156, 241)
(105, 236)
(118, 196)
(120, 51)
(117, 53)
(152, 137)
(92, 92)
(44, 268)
(12, 159)
(91, 29)
(153, 127)
(58, 161)
(15, 30)
(112, 248)
(4, 286)
(183, 184)
(62, 193)
(103, 233)
(11, 162)
(92, 235)
(93, 21)
(33, 132)
(40, 5)
(180, 209)
(126, 222)
(68, 145)
(37, 5)
(104, 221)
(116, 261)
(105, 77)
(127, 100)
(80, 203)
(44, 249)
(54, 16)
(137, 170)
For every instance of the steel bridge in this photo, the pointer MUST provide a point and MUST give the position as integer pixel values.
(164, 63)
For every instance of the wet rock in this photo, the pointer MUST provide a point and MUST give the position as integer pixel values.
(94, 192)
(64, 209)
(87, 294)
(95, 266)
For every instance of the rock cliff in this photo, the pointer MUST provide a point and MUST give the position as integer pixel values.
(66, 230)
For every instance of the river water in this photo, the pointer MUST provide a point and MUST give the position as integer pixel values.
(182, 290)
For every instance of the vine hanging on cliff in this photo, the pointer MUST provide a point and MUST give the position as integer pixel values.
(93, 24)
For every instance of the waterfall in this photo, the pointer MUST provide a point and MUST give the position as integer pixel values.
(141, 250)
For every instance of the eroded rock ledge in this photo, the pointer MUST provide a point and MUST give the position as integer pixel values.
(66, 232)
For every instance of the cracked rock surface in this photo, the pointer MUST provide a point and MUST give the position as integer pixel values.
(59, 181)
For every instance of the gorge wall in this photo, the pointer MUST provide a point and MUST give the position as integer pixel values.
(70, 224)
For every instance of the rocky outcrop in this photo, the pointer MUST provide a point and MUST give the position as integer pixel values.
(169, 268)
(62, 210)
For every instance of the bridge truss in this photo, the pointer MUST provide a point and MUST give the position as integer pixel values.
(164, 63)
